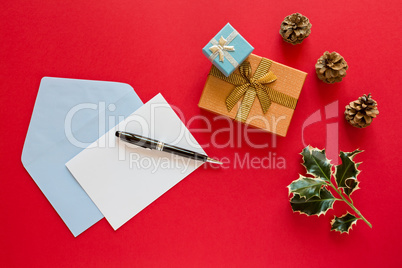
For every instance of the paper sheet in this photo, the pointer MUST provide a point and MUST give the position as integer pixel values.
(123, 179)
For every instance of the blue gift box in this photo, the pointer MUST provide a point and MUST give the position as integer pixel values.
(227, 50)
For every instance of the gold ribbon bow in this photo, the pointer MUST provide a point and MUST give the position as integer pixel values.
(221, 48)
(253, 86)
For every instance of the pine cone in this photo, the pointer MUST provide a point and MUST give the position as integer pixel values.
(295, 28)
(331, 67)
(360, 113)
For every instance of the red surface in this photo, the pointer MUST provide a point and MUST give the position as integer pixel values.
(214, 218)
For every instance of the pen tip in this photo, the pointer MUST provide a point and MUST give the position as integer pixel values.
(211, 160)
(117, 133)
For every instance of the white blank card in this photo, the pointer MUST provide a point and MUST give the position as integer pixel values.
(123, 179)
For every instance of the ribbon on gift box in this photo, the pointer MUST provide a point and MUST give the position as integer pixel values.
(253, 86)
(221, 48)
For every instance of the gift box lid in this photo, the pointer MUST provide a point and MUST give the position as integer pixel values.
(227, 50)
(277, 118)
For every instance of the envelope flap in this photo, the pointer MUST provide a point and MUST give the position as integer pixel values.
(64, 106)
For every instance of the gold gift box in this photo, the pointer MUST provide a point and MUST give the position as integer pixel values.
(277, 118)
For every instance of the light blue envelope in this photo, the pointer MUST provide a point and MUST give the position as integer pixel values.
(69, 115)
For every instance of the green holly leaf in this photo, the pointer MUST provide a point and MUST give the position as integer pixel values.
(351, 186)
(344, 223)
(315, 205)
(316, 163)
(306, 187)
(354, 153)
(346, 173)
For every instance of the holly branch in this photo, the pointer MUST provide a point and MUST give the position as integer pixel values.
(314, 195)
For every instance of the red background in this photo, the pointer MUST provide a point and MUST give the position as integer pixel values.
(213, 218)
